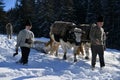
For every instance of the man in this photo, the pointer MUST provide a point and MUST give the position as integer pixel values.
(25, 41)
(9, 30)
(97, 46)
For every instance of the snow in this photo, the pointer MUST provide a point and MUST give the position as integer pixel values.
(47, 67)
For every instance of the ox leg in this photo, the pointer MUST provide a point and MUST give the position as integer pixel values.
(75, 53)
(75, 59)
(45, 50)
(87, 46)
(64, 56)
(10, 36)
(56, 54)
(47, 47)
(81, 49)
(64, 47)
(57, 47)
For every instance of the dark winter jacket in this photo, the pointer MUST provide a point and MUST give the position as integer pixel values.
(96, 35)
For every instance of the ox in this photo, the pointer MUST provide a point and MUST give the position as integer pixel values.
(9, 30)
(68, 36)
(85, 38)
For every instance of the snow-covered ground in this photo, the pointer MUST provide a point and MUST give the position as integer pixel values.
(46, 67)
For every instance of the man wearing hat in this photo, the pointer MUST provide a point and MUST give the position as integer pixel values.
(25, 41)
(97, 39)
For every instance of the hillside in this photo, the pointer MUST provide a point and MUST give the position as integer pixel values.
(46, 67)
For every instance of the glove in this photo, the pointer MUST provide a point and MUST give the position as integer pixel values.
(29, 41)
(14, 54)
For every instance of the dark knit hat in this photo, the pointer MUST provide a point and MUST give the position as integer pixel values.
(28, 23)
(100, 18)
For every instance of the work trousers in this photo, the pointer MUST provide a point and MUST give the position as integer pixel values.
(97, 49)
(25, 53)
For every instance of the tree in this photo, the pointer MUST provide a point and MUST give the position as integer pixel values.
(80, 11)
(3, 18)
(113, 23)
(43, 13)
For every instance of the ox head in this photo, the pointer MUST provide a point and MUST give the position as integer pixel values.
(78, 33)
(74, 35)
(86, 27)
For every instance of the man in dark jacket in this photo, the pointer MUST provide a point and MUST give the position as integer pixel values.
(97, 39)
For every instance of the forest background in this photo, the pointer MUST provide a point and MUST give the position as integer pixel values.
(43, 13)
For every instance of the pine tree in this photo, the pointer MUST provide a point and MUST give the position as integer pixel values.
(25, 10)
(66, 10)
(1, 9)
(80, 10)
(113, 20)
(43, 13)
(3, 18)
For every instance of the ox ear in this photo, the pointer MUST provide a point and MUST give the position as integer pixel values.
(77, 30)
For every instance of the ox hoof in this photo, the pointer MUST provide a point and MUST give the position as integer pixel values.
(56, 55)
(75, 60)
(87, 58)
(64, 57)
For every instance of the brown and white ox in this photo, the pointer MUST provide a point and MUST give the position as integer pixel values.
(68, 36)
(9, 30)
(85, 38)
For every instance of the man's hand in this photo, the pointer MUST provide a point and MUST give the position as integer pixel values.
(97, 42)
